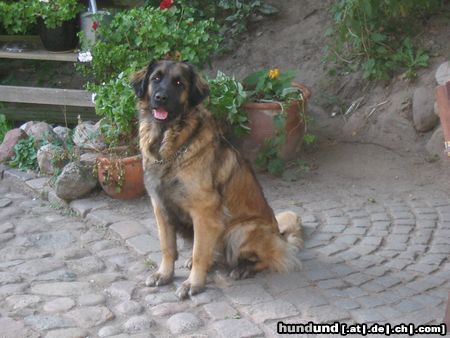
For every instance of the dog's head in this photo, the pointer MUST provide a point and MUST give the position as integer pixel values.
(167, 90)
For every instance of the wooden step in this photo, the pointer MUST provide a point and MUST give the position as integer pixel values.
(40, 55)
(51, 96)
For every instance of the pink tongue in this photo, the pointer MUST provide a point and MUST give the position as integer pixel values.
(160, 114)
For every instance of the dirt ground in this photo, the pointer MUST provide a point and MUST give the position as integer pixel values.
(380, 150)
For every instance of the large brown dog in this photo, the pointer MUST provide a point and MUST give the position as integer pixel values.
(199, 184)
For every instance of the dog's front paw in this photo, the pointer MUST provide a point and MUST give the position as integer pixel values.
(158, 279)
(186, 289)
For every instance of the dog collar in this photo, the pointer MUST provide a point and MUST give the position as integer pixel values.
(182, 150)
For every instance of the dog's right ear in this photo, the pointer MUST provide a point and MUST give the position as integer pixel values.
(139, 80)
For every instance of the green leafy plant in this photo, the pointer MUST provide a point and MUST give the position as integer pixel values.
(233, 16)
(371, 35)
(4, 127)
(136, 36)
(226, 97)
(55, 12)
(25, 155)
(16, 17)
(115, 101)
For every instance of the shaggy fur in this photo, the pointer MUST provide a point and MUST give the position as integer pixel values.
(200, 185)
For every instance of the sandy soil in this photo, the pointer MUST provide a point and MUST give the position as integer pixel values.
(381, 151)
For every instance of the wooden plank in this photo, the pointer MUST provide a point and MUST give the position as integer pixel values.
(40, 55)
(19, 112)
(14, 38)
(53, 96)
(443, 101)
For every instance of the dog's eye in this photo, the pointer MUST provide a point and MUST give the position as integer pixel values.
(178, 83)
(156, 78)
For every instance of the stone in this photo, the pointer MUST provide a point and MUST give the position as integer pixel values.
(6, 237)
(62, 132)
(220, 310)
(86, 265)
(424, 117)
(67, 333)
(6, 227)
(39, 185)
(443, 73)
(236, 328)
(59, 305)
(44, 322)
(84, 206)
(183, 322)
(7, 147)
(75, 181)
(91, 299)
(86, 135)
(109, 330)
(18, 302)
(122, 290)
(159, 298)
(168, 309)
(90, 316)
(129, 308)
(5, 202)
(435, 145)
(10, 328)
(42, 132)
(143, 244)
(61, 289)
(247, 294)
(50, 159)
(127, 229)
(277, 309)
(36, 267)
(104, 218)
(9, 278)
(138, 324)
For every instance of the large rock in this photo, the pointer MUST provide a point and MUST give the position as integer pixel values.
(7, 147)
(42, 132)
(443, 73)
(62, 132)
(87, 136)
(50, 158)
(435, 145)
(75, 181)
(423, 110)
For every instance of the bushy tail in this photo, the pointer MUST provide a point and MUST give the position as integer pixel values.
(289, 225)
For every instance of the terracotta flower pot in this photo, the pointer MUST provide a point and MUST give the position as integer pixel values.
(121, 178)
(443, 102)
(261, 115)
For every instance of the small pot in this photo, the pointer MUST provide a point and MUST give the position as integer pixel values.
(121, 178)
(59, 39)
(443, 102)
(262, 127)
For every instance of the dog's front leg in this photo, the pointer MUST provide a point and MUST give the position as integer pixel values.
(207, 230)
(168, 242)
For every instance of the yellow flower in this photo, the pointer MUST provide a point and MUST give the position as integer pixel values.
(274, 73)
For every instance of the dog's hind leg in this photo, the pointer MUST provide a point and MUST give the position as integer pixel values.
(168, 242)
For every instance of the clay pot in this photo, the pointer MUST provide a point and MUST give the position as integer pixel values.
(261, 115)
(121, 178)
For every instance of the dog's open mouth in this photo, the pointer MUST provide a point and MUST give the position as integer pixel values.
(160, 114)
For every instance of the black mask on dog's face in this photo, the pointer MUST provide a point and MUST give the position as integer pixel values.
(168, 89)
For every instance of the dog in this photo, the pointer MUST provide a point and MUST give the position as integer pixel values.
(200, 185)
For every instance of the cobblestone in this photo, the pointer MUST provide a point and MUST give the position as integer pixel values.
(68, 276)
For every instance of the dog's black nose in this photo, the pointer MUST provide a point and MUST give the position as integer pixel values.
(160, 97)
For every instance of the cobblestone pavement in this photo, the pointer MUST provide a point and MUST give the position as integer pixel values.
(81, 273)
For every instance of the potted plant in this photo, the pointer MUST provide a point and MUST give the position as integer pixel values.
(276, 111)
(16, 17)
(119, 168)
(57, 23)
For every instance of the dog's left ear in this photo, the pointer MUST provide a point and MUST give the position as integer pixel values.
(198, 89)
(139, 80)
